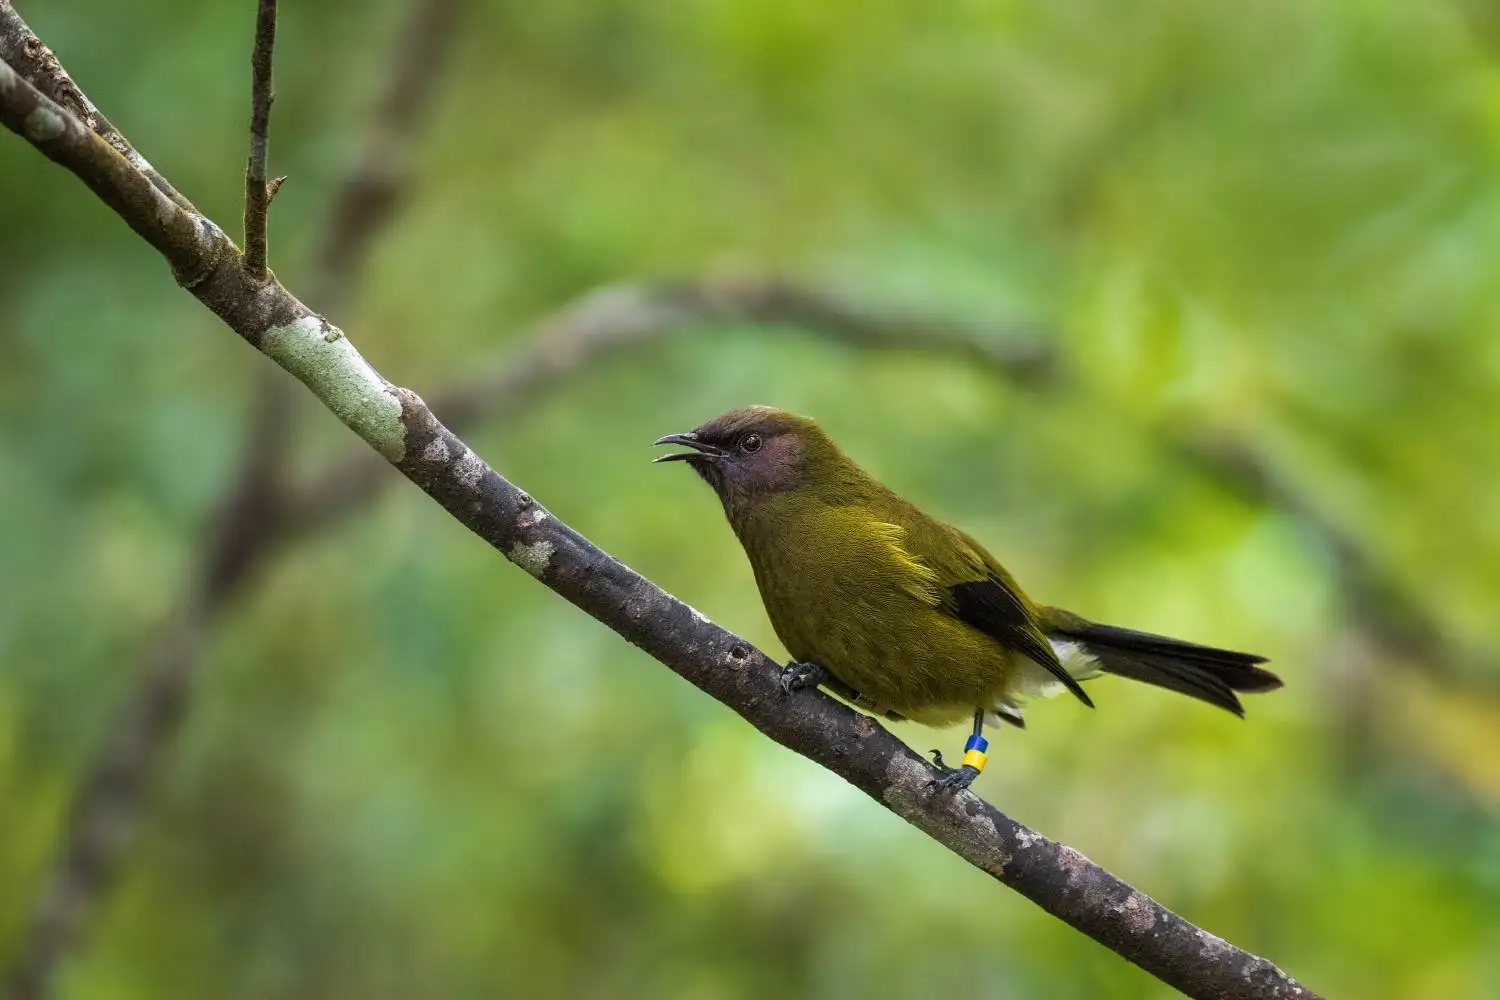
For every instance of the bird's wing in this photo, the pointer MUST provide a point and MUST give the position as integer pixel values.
(994, 608)
(963, 580)
(987, 598)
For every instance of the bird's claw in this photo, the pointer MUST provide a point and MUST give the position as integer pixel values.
(957, 779)
(796, 676)
(952, 780)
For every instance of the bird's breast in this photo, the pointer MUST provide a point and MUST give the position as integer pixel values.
(842, 592)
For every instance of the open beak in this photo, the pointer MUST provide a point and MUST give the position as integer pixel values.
(701, 449)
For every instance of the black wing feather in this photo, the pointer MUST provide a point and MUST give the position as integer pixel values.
(994, 609)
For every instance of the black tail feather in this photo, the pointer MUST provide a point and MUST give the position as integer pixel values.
(1202, 672)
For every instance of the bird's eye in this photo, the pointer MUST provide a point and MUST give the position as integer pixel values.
(750, 443)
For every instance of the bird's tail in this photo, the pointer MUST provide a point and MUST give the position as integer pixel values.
(1202, 672)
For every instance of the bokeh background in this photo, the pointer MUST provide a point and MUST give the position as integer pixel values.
(1259, 244)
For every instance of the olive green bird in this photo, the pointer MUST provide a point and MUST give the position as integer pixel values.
(907, 616)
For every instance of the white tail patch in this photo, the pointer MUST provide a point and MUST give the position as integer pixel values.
(1035, 681)
(1075, 658)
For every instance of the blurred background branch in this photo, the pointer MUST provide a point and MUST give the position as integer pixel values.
(113, 790)
(611, 320)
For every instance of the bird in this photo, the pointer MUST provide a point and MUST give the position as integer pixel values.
(908, 617)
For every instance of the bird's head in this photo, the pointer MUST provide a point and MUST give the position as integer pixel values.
(752, 452)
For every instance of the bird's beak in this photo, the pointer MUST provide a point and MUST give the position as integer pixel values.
(702, 450)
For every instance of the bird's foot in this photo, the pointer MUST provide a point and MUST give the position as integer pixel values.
(797, 676)
(952, 780)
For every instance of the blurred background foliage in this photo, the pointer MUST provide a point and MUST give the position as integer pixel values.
(410, 771)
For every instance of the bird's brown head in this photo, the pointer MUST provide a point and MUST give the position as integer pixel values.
(752, 452)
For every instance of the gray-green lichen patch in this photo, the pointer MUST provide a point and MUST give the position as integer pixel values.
(43, 124)
(333, 369)
(1030, 838)
(532, 558)
(469, 470)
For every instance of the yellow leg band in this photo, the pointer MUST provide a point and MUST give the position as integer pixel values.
(975, 759)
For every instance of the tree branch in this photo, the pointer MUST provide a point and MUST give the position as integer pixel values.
(395, 422)
(107, 804)
(28, 56)
(257, 186)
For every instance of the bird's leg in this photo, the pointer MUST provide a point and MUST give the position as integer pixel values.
(797, 675)
(956, 779)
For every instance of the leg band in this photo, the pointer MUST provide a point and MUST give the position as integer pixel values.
(974, 752)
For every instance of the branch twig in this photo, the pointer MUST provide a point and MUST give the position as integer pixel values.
(257, 185)
(396, 422)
